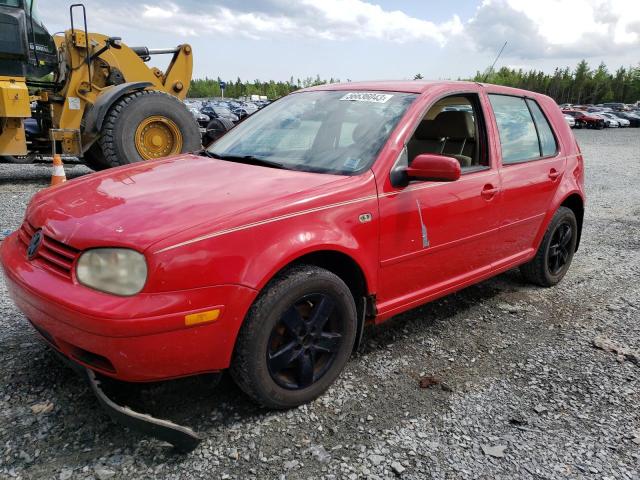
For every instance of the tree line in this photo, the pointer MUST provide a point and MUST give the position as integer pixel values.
(209, 87)
(580, 85)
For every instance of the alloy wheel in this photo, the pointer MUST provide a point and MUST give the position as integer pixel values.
(305, 342)
(559, 248)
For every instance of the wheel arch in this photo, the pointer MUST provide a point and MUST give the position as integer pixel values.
(339, 263)
(96, 115)
(348, 269)
(575, 202)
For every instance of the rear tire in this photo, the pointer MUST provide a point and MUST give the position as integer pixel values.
(553, 258)
(296, 339)
(123, 139)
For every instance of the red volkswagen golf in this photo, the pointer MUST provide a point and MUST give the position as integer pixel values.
(268, 252)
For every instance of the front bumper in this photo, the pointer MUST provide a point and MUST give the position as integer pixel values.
(138, 338)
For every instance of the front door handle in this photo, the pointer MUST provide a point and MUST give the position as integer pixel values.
(554, 174)
(489, 191)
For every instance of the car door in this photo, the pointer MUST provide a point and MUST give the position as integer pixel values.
(531, 167)
(435, 236)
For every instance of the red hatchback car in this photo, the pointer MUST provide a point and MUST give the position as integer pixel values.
(268, 252)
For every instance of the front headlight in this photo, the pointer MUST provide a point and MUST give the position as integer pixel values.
(113, 270)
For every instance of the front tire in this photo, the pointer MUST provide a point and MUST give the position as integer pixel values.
(147, 125)
(296, 338)
(553, 258)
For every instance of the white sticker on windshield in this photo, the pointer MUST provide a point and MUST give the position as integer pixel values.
(367, 97)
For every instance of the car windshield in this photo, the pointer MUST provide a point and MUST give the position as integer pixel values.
(336, 132)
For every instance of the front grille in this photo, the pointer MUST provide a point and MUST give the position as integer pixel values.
(52, 254)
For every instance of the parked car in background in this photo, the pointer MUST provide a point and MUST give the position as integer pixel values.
(570, 120)
(262, 103)
(213, 110)
(243, 110)
(585, 120)
(622, 122)
(634, 120)
(201, 118)
(616, 106)
(190, 103)
(608, 122)
(267, 253)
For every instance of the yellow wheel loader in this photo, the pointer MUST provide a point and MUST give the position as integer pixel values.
(88, 95)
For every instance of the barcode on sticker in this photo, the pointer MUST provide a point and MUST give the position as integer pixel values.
(367, 97)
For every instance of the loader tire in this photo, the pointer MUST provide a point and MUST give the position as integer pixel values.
(147, 125)
(94, 158)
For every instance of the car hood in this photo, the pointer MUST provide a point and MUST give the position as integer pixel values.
(139, 205)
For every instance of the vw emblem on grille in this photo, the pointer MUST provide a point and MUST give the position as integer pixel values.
(34, 245)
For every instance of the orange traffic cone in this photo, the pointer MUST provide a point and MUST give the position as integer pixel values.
(58, 175)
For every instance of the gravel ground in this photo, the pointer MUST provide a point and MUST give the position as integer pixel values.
(520, 391)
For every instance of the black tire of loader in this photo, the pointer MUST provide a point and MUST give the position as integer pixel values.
(94, 158)
(117, 140)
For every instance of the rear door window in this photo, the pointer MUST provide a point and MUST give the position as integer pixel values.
(518, 136)
(525, 132)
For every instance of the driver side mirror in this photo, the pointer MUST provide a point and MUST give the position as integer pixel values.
(428, 167)
(437, 168)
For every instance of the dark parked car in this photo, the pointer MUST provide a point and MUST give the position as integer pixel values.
(243, 110)
(219, 111)
(634, 119)
(201, 118)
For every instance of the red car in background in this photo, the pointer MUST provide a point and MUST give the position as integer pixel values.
(585, 119)
(267, 253)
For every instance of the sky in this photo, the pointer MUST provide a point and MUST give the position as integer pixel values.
(369, 39)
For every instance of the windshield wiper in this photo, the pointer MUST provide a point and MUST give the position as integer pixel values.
(249, 159)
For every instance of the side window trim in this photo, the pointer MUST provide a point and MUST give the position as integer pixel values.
(546, 119)
(535, 125)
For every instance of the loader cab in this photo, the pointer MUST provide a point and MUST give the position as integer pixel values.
(27, 48)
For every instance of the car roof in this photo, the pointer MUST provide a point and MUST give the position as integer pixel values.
(417, 86)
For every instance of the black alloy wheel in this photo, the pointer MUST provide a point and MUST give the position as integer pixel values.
(305, 342)
(554, 255)
(296, 338)
(558, 253)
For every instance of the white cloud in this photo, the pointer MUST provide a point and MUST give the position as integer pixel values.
(336, 20)
(151, 11)
(558, 28)
(540, 34)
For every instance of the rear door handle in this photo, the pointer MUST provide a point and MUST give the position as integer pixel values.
(554, 174)
(489, 191)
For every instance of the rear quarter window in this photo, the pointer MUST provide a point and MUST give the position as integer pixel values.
(548, 145)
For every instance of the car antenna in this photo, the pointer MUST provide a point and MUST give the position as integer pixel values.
(490, 69)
